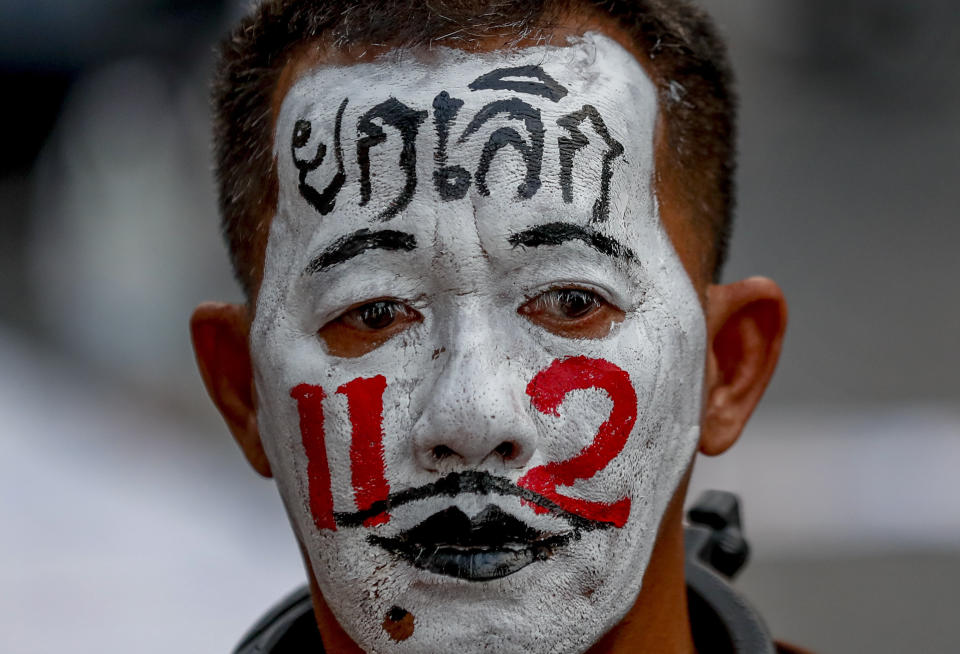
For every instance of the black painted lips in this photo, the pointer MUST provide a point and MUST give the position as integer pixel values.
(493, 544)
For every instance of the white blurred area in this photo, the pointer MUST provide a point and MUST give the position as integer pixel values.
(131, 523)
(127, 527)
(125, 222)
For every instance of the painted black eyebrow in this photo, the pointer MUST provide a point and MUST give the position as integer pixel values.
(557, 233)
(349, 246)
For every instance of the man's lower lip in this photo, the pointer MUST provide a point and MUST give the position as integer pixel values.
(471, 563)
(476, 564)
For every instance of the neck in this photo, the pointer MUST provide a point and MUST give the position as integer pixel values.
(334, 638)
(657, 623)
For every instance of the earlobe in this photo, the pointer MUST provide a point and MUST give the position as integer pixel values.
(220, 334)
(746, 321)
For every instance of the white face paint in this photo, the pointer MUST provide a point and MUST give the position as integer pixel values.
(479, 188)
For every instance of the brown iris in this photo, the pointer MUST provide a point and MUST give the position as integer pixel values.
(572, 313)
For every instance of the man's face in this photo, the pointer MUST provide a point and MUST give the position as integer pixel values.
(477, 354)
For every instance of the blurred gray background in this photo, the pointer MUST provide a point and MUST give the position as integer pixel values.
(132, 524)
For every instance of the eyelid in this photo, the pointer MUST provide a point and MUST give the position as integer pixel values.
(603, 293)
(399, 308)
(329, 314)
(402, 306)
(552, 299)
(322, 298)
(618, 285)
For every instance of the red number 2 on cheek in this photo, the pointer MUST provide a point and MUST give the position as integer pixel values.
(367, 467)
(547, 391)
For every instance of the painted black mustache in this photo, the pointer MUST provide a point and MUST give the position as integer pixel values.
(469, 481)
(491, 545)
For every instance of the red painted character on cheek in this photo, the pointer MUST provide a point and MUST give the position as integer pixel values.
(368, 474)
(547, 391)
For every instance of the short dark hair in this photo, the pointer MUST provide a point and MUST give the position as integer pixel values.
(686, 58)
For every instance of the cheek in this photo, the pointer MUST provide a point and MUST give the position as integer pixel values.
(636, 427)
(365, 490)
(548, 390)
(334, 429)
(367, 467)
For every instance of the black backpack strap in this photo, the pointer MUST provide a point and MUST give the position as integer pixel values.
(287, 627)
(723, 621)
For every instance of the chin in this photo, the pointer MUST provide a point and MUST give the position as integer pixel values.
(561, 605)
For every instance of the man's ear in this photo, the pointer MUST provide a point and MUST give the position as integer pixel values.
(220, 335)
(745, 325)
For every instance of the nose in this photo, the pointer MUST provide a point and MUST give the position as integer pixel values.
(477, 416)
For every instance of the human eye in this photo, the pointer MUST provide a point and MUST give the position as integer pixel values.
(572, 312)
(366, 327)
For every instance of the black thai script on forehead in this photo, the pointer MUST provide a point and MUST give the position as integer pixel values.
(451, 182)
(524, 133)
(396, 114)
(322, 201)
(532, 154)
(497, 80)
(568, 148)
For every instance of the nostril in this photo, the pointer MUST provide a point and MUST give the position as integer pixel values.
(441, 452)
(505, 450)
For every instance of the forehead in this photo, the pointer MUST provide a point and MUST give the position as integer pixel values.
(435, 139)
